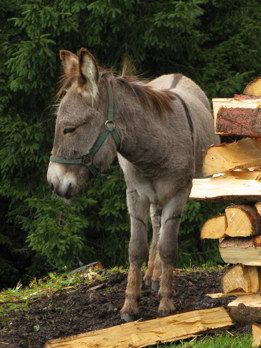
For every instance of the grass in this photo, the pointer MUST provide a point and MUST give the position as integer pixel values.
(19, 297)
(224, 340)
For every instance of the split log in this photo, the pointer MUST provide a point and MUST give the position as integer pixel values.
(243, 154)
(145, 333)
(245, 250)
(241, 278)
(237, 186)
(254, 87)
(256, 335)
(246, 309)
(239, 121)
(214, 228)
(242, 221)
(238, 221)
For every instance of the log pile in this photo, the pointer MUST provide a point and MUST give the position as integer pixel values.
(234, 173)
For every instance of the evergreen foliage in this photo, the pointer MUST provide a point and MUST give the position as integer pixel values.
(216, 43)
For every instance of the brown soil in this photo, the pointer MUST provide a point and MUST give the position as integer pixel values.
(90, 307)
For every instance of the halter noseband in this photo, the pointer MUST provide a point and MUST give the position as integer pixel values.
(110, 128)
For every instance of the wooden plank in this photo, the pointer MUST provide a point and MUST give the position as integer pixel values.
(230, 294)
(245, 250)
(256, 335)
(242, 154)
(144, 333)
(236, 185)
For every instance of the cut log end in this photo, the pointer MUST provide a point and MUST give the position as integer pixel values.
(242, 221)
(254, 87)
(241, 278)
(214, 228)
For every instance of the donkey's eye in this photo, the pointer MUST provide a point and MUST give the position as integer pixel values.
(68, 130)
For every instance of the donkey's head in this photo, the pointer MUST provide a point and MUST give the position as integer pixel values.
(84, 123)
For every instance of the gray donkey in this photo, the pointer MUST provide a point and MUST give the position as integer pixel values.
(159, 131)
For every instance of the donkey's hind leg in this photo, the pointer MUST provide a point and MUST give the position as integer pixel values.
(138, 249)
(153, 273)
(168, 247)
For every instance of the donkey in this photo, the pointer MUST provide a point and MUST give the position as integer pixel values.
(158, 130)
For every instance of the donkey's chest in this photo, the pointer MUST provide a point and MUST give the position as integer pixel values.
(157, 191)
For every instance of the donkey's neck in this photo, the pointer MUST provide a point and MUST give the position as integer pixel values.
(144, 133)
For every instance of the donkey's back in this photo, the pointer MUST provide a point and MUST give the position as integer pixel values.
(198, 109)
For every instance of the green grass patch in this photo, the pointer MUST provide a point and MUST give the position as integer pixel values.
(19, 297)
(219, 340)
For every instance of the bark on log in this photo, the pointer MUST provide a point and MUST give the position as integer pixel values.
(246, 309)
(237, 186)
(243, 154)
(241, 278)
(236, 102)
(245, 250)
(239, 121)
(242, 221)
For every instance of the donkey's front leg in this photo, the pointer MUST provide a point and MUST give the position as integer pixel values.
(138, 249)
(168, 248)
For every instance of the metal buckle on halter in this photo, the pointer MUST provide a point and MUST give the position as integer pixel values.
(86, 160)
(110, 125)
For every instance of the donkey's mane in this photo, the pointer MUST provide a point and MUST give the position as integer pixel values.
(147, 95)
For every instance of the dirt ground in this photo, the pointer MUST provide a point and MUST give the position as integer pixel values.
(96, 306)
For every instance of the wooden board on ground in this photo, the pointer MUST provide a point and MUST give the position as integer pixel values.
(246, 309)
(242, 154)
(231, 294)
(144, 333)
(240, 277)
(245, 250)
(256, 335)
(237, 186)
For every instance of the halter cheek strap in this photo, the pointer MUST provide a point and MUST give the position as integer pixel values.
(110, 128)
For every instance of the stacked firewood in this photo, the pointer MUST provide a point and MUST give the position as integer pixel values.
(233, 172)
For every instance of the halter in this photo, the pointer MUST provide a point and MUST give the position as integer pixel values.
(110, 128)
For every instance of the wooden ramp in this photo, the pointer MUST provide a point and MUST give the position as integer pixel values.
(144, 333)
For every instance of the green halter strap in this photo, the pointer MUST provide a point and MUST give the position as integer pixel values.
(110, 128)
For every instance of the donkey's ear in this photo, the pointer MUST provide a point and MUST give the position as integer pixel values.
(70, 63)
(89, 72)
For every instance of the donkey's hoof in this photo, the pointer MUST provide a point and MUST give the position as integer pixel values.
(155, 285)
(128, 317)
(166, 313)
